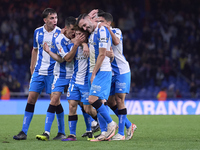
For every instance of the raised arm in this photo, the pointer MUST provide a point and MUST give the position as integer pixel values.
(53, 55)
(77, 41)
(115, 39)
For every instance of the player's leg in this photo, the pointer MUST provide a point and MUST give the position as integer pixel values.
(73, 97)
(122, 87)
(92, 112)
(100, 90)
(72, 120)
(58, 87)
(36, 86)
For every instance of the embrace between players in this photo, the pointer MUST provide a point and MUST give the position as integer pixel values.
(87, 55)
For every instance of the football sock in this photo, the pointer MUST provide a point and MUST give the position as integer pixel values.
(88, 119)
(101, 109)
(28, 115)
(72, 121)
(49, 117)
(127, 122)
(102, 123)
(60, 119)
(122, 116)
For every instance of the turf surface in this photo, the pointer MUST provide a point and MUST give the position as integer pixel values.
(154, 133)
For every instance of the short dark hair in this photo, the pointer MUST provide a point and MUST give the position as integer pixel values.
(48, 11)
(77, 28)
(100, 11)
(81, 16)
(107, 16)
(70, 21)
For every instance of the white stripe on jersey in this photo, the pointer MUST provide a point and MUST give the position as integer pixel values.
(120, 65)
(99, 38)
(45, 64)
(81, 73)
(64, 69)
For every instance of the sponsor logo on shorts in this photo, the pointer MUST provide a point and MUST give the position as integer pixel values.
(120, 85)
(96, 88)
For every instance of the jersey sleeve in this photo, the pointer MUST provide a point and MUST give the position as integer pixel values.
(62, 47)
(103, 37)
(118, 33)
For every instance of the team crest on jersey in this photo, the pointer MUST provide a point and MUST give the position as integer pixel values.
(56, 34)
(68, 94)
(60, 49)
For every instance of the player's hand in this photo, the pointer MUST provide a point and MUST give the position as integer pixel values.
(92, 78)
(86, 51)
(110, 54)
(93, 13)
(79, 39)
(103, 24)
(46, 47)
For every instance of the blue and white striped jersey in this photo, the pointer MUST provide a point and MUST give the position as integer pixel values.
(81, 67)
(119, 65)
(64, 69)
(45, 64)
(99, 38)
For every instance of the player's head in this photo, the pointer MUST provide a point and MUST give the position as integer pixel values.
(50, 18)
(85, 22)
(105, 17)
(79, 31)
(69, 26)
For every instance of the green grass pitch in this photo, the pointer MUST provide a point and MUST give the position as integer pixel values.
(155, 132)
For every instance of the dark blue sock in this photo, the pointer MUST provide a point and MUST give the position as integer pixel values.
(28, 115)
(48, 121)
(26, 121)
(72, 121)
(60, 119)
(49, 117)
(88, 121)
(101, 109)
(127, 122)
(121, 116)
(102, 123)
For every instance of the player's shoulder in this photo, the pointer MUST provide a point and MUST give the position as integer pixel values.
(57, 29)
(116, 30)
(39, 29)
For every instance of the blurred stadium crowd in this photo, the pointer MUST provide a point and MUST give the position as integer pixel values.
(161, 41)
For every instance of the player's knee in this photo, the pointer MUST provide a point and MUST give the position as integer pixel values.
(32, 99)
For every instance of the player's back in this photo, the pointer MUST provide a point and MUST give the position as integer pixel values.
(45, 64)
(119, 65)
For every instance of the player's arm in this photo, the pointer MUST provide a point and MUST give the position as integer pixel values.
(78, 40)
(110, 54)
(115, 39)
(53, 55)
(33, 59)
(100, 58)
(86, 51)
